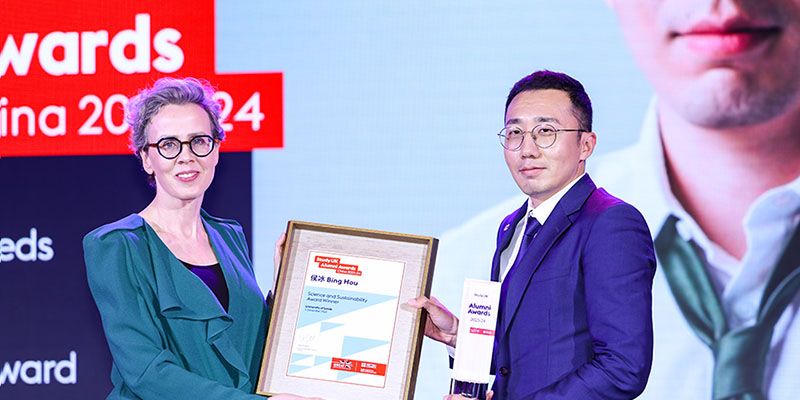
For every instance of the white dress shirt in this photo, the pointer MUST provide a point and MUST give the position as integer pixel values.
(541, 213)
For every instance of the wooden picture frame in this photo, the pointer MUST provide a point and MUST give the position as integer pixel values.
(340, 328)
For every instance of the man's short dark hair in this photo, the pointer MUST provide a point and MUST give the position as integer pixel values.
(543, 80)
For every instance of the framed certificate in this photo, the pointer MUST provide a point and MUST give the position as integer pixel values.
(340, 328)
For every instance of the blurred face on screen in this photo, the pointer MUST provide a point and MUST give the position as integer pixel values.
(718, 63)
(186, 176)
(542, 172)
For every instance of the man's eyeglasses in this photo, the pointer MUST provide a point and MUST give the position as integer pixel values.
(544, 136)
(170, 147)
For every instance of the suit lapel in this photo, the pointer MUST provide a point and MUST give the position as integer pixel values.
(557, 223)
(507, 228)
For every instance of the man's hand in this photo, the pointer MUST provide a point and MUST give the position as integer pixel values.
(441, 324)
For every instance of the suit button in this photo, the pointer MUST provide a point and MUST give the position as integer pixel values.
(504, 371)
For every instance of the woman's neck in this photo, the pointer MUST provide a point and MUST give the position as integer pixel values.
(175, 217)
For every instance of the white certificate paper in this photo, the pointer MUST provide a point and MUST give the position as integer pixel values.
(346, 319)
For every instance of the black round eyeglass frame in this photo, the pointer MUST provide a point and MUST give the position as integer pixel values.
(188, 143)
(503, 135)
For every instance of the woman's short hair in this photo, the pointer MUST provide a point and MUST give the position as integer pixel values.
(144, 106)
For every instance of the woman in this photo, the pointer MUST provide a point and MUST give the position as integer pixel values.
(182, 313)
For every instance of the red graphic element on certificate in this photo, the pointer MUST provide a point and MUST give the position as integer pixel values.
(361, 367)
(335, 264)
(481, 331)
(67, 69)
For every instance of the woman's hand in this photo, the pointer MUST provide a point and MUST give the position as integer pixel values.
(276, 259)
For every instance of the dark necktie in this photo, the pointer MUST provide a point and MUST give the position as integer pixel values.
(740, 354)
(532, 226)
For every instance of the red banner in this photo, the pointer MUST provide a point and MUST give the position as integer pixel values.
(361, 367)
(68, 68)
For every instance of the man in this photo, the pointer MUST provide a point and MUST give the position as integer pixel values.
(716, 174)
(576, 263)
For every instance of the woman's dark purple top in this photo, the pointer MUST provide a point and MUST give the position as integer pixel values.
(213, 277)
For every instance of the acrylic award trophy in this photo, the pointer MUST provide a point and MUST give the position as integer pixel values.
(475, 341)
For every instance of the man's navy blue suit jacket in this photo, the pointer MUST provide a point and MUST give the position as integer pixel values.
(578, 318)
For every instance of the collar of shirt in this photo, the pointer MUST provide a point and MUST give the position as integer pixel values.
(544, 210)
(541, 214)
(638, 175)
